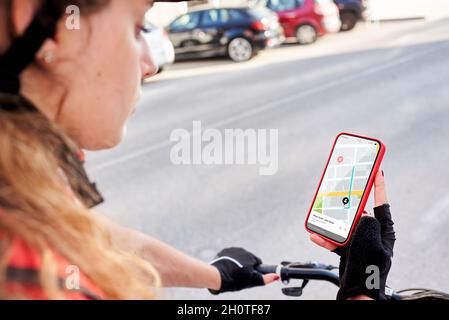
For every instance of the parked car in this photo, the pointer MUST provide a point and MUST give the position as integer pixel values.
(306, 20)
(351, 12)
(161, 48)
(238, 32)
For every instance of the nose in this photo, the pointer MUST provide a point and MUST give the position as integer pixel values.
(148, 67)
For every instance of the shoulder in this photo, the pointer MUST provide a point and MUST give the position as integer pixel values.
(23, 275)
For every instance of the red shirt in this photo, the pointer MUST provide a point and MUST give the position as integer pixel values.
(22, 276)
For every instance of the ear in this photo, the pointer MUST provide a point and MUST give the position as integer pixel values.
(22, 13)
(47, 50)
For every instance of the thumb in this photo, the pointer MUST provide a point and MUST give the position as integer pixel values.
(322, 243)
(269, 278)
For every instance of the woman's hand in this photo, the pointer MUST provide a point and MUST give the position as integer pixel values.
(370, 246)
(380, 198)
(367, 261)
(237, 268)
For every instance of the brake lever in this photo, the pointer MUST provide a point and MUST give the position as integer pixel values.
(295, 291)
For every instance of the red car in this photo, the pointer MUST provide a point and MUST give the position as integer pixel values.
(305, 20)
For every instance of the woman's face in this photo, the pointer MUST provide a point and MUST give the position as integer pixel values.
(97, 73)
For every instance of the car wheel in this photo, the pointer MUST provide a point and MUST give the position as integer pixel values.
(240, 49)
(348, 21)
(306, 34)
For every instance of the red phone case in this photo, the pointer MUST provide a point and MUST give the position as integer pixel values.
(366, 194)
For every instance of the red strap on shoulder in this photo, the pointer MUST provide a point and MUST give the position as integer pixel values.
(23, 275)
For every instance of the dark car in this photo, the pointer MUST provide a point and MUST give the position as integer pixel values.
(239, 33)
(351, 11)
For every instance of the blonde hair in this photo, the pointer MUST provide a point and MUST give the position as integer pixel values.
(36, 208)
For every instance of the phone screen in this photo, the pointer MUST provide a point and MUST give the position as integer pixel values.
(343, 187)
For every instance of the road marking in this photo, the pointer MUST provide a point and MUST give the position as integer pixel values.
(275, 104)
(432, 219)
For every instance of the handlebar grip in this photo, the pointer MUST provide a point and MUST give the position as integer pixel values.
(265, 269)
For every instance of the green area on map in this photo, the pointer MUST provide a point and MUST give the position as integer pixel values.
(318, 205)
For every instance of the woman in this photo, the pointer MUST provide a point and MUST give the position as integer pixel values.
(62, 91)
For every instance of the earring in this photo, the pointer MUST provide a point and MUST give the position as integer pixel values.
(48, 57)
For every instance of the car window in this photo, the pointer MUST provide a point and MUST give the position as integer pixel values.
(210, 18)
(225, 16)
(186, 21)
(282, 5)
(236, 15)
(215, 17)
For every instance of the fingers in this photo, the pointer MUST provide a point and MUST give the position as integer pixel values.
(322, 243)
(270, 278)
(380, 191)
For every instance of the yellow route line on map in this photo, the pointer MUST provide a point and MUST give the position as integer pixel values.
(341, 194)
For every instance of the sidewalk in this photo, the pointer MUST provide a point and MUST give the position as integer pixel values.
(381, 10)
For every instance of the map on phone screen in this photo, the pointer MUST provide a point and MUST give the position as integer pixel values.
(343, 185)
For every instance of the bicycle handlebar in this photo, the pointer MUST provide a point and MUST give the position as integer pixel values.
(304, 271)
(307, 271)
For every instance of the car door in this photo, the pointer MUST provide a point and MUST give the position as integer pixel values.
(213, 24)
(185, 33)
(231, 21)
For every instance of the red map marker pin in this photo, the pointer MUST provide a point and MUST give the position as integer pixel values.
(340, 159)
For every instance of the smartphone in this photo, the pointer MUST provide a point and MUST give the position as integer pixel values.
(345, 187)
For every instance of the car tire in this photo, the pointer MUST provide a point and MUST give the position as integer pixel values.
(306, 34)
(240, 49)
(348, 21)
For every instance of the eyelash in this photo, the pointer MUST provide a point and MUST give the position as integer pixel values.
(144, 29)
(140, 30)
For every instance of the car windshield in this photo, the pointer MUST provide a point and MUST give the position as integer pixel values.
(186, 21)
(282, 5)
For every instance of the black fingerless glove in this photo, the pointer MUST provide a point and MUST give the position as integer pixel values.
(237, 270)
(343, 253)
(383, 215)
(371, 245)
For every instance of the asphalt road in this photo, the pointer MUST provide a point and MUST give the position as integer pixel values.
(389, 81)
